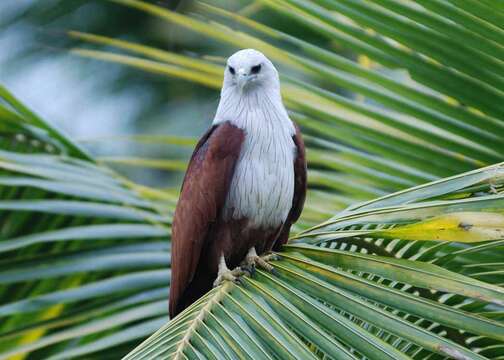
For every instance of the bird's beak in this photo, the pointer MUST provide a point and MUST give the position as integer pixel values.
(242, 78)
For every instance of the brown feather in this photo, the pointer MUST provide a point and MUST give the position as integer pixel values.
(203, 194)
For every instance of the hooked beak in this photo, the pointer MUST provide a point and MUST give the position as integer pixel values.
(242, 78)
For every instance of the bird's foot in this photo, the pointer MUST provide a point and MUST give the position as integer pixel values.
(253, 261)
(229, 275)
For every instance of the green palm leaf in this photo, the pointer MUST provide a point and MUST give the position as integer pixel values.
(82, 252)
(415, 273)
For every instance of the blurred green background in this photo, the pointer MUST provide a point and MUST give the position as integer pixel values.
(98, 103)
(93, 100)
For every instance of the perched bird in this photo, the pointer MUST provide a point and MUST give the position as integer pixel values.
(244, 187)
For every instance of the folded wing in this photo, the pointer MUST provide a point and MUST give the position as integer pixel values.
(202, 197)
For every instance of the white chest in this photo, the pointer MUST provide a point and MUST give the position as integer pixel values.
(262, 187)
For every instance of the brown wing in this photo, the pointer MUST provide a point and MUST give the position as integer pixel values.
(299, 190)
(203, 194)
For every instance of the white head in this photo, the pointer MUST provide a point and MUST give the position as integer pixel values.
(250, 96)
(249, 70)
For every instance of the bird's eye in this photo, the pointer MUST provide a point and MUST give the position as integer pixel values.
(231, 70)
(255, 69)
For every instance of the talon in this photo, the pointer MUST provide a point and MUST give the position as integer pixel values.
(248, 269)
(229, 275)
(271, 257)
(263, 264)
(253, 261)
(239, 272)
(252, 270)
(224, 274)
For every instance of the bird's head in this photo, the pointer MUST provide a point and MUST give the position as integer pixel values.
(248, 70)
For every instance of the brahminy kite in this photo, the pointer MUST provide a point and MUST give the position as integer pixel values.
(244, 187)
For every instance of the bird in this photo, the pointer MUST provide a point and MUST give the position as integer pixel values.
(244, 187)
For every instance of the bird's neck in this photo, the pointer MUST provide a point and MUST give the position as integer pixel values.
(251, 111)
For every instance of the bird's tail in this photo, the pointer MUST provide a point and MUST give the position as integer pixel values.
(199, 286)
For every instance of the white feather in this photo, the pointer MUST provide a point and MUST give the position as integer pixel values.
(262, 187)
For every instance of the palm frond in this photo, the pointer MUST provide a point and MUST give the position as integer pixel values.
(414, 274)
(321, 298)
(82, 252)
